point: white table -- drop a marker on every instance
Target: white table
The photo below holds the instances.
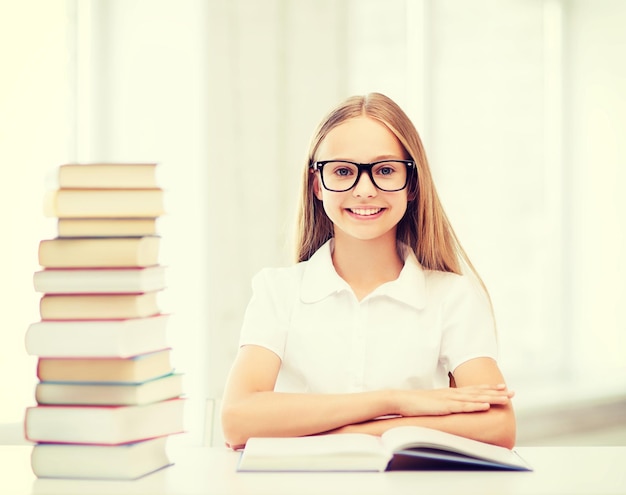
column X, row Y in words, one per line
column 207, row 471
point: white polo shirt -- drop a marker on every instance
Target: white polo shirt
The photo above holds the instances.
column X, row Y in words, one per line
column 407, row 334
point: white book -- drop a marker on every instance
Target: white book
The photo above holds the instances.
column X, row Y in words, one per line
column 400, row 448
column 107, row 462
column 99, row 280
column 110, row 394
column 103, row 425
column 97, row 338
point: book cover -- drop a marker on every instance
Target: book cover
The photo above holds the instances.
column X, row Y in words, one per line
column 108, row 462
column 115, row 394
column 107, row 227
column 98, row 306
column 104, row 203
column 105, row 176
column 99, row 280
column 104, row 425
column 133, row 369
column 97, row 338
column 107, row 252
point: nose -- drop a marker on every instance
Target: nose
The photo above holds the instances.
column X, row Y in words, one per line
column 364, row 187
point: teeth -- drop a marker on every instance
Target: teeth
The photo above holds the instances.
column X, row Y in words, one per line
column 365, row 211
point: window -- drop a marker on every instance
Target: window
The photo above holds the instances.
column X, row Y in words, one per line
column 518, row 103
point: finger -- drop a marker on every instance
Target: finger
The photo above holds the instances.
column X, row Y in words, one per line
column 486, row 386
column 483, row 397
column 488, row 390
column 468, row 407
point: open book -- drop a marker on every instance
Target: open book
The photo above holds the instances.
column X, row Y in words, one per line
column 401, row 448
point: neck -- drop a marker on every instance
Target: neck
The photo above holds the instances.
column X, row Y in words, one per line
column 366, row 264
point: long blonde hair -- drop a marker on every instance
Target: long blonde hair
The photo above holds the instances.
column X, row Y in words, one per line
column 424, row 227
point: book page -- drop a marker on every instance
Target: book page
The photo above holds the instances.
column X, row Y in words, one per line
column 407, row 437
column 348, row 443
column 342, row 452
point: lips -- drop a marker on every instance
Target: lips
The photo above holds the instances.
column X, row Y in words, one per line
column 365, row 212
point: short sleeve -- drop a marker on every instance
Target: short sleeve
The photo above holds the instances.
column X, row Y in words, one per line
column 468, row 329
column 266, row 318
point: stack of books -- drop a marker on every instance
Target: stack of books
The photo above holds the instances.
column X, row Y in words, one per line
column 107, row 397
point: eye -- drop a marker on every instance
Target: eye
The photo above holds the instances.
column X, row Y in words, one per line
column 386, row 169
column 341, row 170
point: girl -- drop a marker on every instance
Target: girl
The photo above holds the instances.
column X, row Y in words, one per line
column 378, row 324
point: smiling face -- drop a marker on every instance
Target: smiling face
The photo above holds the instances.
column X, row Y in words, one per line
column 364, row 212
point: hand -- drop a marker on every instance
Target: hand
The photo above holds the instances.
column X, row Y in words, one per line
column 443, row 401
column 234, row 447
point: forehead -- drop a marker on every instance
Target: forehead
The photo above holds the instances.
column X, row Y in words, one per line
column 361, row 139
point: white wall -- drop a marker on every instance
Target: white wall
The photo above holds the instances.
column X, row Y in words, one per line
column 143, row 76
column 519, row 104
column 486, row 147
column 34, row 137
column 267, row 84
column 596, row 154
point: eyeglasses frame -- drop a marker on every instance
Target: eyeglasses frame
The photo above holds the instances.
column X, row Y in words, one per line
column 362, row 167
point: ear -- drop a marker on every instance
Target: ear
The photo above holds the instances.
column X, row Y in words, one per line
column 317, row 188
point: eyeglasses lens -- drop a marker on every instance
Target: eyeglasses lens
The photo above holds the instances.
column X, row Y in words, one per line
column 388, row 176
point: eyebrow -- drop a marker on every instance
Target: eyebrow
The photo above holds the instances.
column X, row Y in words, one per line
column 375, row 159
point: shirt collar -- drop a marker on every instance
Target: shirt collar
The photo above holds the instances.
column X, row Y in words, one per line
column 320, row 279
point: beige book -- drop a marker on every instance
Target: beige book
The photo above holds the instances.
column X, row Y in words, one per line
column 106, row 176
column 134, row 369
column 104, row 203
column 99, row 252
column 106, row 227
column 98, row 306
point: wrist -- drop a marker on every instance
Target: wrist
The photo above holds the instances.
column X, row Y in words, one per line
column 392, row 400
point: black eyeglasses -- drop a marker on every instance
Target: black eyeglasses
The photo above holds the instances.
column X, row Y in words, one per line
column 343, row 175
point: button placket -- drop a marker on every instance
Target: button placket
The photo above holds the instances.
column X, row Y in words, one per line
column 359, row 340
